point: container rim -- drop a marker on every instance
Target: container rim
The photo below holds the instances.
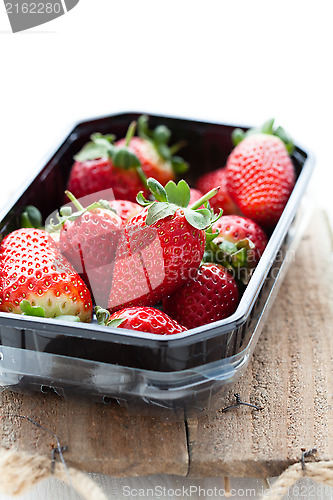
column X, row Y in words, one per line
column 140, row 338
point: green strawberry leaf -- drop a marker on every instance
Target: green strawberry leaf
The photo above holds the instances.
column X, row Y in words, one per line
column 143, row 129
column 31, row 217
column 158, row 211
column 29, row 310
column 245, row 243
column 160, row 138
column 200, row 219
column 102, row 315
column 161, row 134
column 157, row 189
column 124, row 158
column 101, row 146
column 179, row 194
column 100, row 204
column 67, row 317
column 114, row 323
column 282, row 134
column 267, row 128
column 239, row 259
column 179, row 165
column 163, row 150
column 233, row 256
column 65, row 213
column 107, row 137
column 237, row 136
column 210, row 236
column 175, row 196
column 103, row 318
column 39, row 312
column 92, row 151
column 141, row 200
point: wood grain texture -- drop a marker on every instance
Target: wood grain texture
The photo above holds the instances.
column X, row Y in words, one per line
column 290, row 375
column 101, row 439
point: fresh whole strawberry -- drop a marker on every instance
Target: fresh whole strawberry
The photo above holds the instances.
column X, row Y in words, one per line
column 238, row 246
column 222, row 201
column 89, row 240
column 142, row 319
column 33, row 272
column 260, row 174
column 156, row 157
column 125, row 209
column 164, row 246
column 209, row 296
column 101, row 165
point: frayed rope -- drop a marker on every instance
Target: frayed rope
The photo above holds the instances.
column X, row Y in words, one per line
column 321, row 472
column 20, row 472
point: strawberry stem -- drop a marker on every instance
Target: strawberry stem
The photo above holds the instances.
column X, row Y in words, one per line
column 130, row 133
column 205, row 198
column 142, row 176
column 75, row 202
column 176, row 147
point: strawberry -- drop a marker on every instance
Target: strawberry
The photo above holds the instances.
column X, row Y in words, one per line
column 164, row 245
column 33, row 270
column 125, row 209
column 142, row 319
column 89, row 239
column 156, row 157
column 238, row 246
column 260, row 173
column 101, row 165
column 209, row 296
column 222, row 201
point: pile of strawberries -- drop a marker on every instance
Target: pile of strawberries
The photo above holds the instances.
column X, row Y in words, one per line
column 161, row 257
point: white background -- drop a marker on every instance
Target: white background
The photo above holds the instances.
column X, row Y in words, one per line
column 237, row 62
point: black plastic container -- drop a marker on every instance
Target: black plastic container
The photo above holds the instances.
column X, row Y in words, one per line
column 101, row 362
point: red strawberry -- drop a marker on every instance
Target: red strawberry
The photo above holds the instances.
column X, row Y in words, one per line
column 89, row 239
column 142, row 319
column 156, row 157
column 261, row 176
column 101, row 165
column 209, row 296
column 33, row 270
column 222, row 201
column 238, row 246
column 125, row 209
column 165, row 244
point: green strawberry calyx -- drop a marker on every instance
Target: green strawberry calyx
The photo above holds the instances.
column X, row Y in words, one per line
column 159, row 138
column 267, row 128
column 65, row 213
column 101, row 146
column 103, row 318
column 39, row 312
column 233, row 256
column 174, row 196
column 31, row 217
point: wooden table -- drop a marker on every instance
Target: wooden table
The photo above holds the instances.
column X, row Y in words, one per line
column 290, row 375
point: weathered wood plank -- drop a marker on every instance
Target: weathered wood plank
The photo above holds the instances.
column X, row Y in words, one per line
column 106, row 440
column 291, row 375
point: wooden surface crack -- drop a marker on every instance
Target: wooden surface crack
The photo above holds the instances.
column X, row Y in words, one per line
column 290, row 375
